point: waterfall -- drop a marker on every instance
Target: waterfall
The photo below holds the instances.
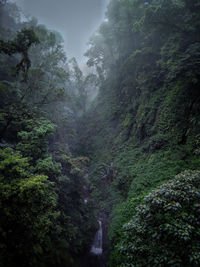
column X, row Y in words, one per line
column 97, row 244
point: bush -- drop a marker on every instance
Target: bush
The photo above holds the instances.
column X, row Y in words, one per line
column 28, row 213
column 166, row 230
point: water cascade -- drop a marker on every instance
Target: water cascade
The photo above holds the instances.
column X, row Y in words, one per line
column 96, row 248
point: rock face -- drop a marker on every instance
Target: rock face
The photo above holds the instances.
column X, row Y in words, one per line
column 96, row 248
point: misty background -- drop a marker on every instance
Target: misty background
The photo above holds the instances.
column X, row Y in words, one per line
column 76, row 20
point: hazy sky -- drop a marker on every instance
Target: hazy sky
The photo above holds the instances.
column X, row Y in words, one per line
column 76, row 20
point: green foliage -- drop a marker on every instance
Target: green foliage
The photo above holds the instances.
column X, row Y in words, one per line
column 165, row 230
column 21, row 44
column 145, row 118
column 75, row 165
column 29, row 218
column 141, row 130
column 33, row 143
column 12, row 165
column 45, row 221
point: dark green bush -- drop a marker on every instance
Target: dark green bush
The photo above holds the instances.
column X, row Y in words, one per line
column 166, row 230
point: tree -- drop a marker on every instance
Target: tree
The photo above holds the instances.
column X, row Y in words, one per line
column 44, row 219
column 3, row 2
column 21, row 44
column 166, row 230
column 28, row 212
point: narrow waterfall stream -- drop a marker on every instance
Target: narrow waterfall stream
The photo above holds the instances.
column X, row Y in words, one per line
column 96, row 248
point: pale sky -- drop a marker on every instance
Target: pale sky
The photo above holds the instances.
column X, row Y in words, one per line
column 76, row 20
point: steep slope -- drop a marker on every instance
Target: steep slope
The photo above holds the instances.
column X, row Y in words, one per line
column 143, row 127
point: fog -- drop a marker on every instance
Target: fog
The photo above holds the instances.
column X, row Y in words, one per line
column 76, row 20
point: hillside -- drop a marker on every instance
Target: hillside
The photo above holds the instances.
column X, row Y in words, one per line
column 118, row 148
column 143, row 128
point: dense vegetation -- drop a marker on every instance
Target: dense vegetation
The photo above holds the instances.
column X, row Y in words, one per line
column 44, row 221
column 144, row 125
column 140, row 131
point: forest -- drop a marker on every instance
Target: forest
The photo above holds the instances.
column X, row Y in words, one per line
column 119, row 144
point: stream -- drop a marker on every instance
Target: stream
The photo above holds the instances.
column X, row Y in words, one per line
column 96, row 248
column 95, row 258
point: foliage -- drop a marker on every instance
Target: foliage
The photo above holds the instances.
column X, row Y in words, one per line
column 145, row 118
column 21, row 44
column 33, row 142
column 165, row 230
column 45, row 221
column 30, row 216
column 140, row 130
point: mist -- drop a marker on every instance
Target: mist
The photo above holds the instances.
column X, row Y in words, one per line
column 99, row 154
column 76, row 20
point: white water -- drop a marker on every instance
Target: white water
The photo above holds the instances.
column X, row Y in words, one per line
column 97, row 244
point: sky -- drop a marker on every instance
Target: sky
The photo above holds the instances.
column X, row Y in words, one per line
column 76, row 20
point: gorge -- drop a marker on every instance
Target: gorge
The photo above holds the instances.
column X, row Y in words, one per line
column 99, row 166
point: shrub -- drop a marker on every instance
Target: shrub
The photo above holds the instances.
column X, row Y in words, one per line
column 166, row 230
